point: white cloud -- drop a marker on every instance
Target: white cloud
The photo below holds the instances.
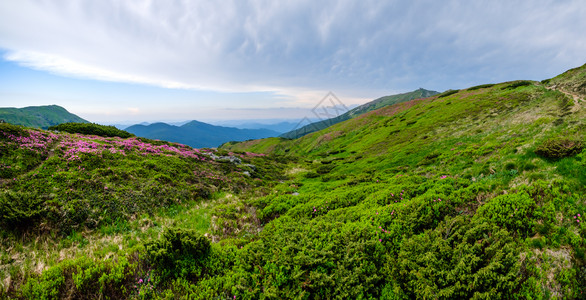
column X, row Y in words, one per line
column 296, row 48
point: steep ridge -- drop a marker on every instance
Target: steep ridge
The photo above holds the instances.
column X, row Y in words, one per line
column 370, row 106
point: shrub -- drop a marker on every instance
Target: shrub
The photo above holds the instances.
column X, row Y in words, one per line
column 458, row 260
column 179, row 253
column 20, row 210
column 510, row 166
column 514, row 212
column 517, row 84
column 324, row 169
column 559, row 148
column 92, row 129
column 82, row 278
column 8, row 129
column 447, row 93
column 310, row 175
column 482, row 86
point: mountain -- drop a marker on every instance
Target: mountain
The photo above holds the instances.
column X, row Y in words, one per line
column 370, row 106
column 470, row 194
column 198, row 134
column 280, row 127
column 38, row 116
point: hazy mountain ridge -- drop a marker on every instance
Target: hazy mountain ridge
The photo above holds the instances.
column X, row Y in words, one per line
column 280, row 127
column 198, row 134
column 38, row 116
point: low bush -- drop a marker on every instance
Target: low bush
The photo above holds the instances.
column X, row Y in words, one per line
column 325, row 169
column 559, row 148
column 7, row 129
column 19, row 210
column 514, row 212
column 180, row 253
column 517, row 84
column 91, row 129
column 482, row 86
column 447, row 93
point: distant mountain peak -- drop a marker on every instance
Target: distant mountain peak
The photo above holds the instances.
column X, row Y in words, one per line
column 39, row 116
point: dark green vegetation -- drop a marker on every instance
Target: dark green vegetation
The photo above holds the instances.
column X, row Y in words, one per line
column 439, row 198
column 362, row 109
column 91, row 129
column 198, row 134
column 559, row 148
column 38, row 116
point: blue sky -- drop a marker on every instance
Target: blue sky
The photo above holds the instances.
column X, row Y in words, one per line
column 129, row 61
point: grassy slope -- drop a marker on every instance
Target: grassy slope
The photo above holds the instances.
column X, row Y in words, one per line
column 66, row 196
column 38, row 116
column 370, row 106
column 473, row 148
column 434, row 198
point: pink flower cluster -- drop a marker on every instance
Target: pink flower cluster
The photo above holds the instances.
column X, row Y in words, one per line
column 73, row 145
column 316, row 210
column 398, row 196
column 36, row 141
column 577, row 218
column 382, row 230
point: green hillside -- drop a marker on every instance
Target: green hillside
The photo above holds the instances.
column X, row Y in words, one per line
column 370, row 106
column 38, row 116
column 477, row 193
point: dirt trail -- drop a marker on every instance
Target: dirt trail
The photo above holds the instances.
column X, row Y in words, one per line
column 577, row 98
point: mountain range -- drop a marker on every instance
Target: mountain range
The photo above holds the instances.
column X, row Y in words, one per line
column 198, row 134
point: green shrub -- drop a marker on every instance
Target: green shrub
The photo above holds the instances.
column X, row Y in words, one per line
column 559, row 148
column 91, row 129
column 482, row 86
column 311, row 175
column 20, row 209
column 515, row 212
column 82, row 278
column 458, row 260
column 447, row 93
column 179, row 253
column 510, row 166
column 325, row 169
column 517, row 84
column 8, row 129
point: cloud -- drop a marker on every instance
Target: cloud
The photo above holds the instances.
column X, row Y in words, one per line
column 296, row 47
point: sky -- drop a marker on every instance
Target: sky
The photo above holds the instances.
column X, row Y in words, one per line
column 112, row 61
